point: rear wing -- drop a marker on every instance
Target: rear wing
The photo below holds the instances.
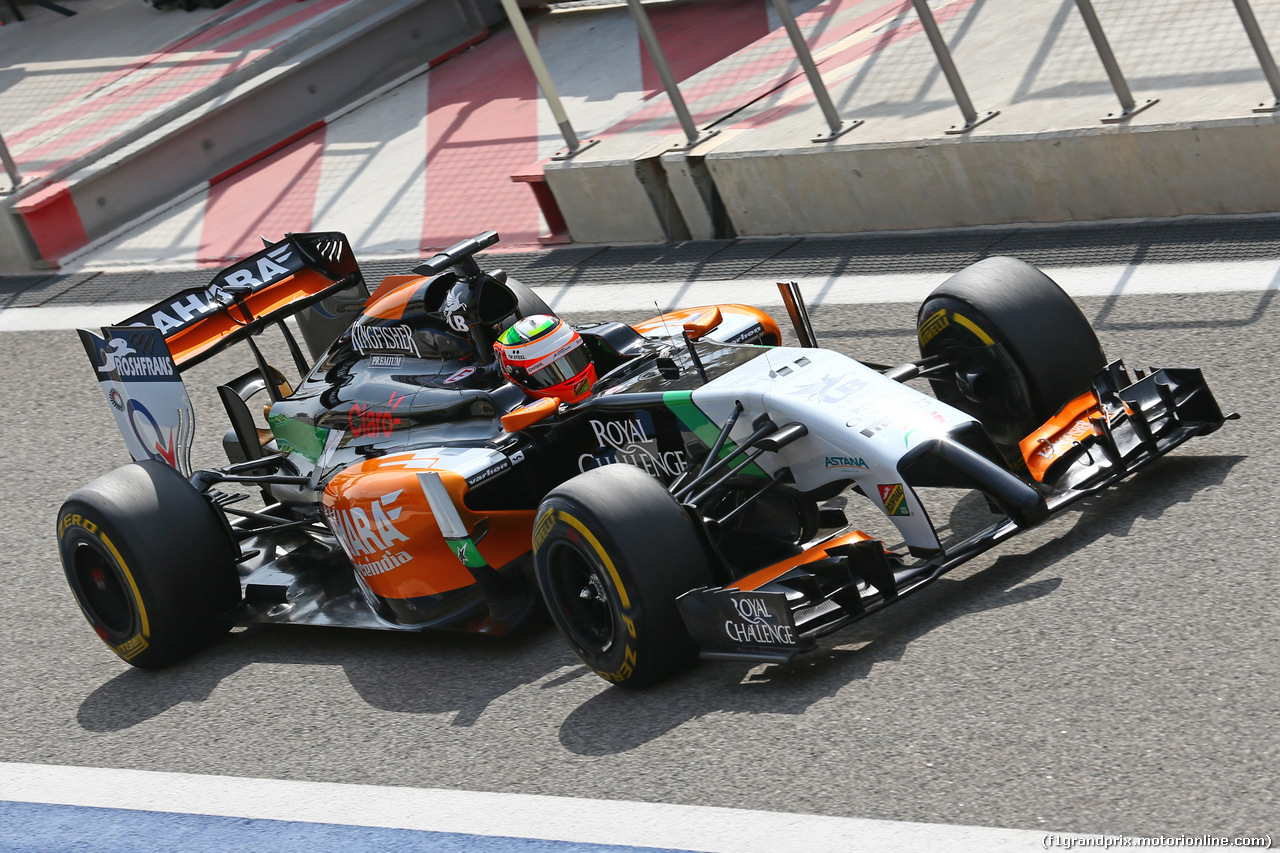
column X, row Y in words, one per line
column 138, row 363
column 299, row 272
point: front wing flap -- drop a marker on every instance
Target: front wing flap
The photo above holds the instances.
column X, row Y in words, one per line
column 741, row 625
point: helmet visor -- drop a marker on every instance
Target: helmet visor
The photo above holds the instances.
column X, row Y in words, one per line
column 553, row 373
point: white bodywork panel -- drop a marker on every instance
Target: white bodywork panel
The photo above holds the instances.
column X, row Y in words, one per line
column 860, row 425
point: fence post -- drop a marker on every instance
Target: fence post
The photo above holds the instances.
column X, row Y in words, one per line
column 940, row 49
column 543, row 76
column 1128, row 108
column 659, row 59
column 1265, row 59
column 10, row 167
column 837, row 127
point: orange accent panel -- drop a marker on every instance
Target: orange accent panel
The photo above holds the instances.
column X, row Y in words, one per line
column 522, row 417
column 1072, row 424
column 396, row 545
column 671, row 321
column 759, row 578
column 196, row 339
column 389, row 284
column 391, row 305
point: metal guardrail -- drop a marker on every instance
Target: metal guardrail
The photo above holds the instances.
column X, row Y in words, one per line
column 836, row 126
column 940, row 49
column 543, row 76
column 1128, row 107
column 659, row 59
column 650, row 39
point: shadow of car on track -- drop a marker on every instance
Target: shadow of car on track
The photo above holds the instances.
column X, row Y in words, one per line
column 417, row 673
column 616, row 721
column 426, row 673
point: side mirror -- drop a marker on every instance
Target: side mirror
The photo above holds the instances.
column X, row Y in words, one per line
column 703, row 324
column 529, row 415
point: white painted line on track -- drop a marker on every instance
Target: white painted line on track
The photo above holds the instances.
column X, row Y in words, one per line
column 577, row 298
column 587, row 821
column 67, row 316
column 1117, row 280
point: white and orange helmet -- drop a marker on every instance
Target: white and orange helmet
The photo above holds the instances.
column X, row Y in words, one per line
column 546, row 357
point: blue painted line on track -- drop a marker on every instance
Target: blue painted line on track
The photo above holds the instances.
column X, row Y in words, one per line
column 42, row 828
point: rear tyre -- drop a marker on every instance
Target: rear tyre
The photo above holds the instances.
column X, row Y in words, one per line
column 150, row 562
column 1020, row 346
column 612, row 551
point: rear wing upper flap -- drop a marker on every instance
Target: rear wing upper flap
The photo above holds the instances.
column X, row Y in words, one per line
column 300, row 271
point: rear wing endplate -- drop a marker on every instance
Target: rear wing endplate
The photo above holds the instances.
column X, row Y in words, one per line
column 140, row 380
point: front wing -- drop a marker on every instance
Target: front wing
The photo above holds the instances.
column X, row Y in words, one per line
column 781, row 611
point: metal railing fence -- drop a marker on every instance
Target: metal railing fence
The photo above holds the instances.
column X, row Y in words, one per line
column 836, row 126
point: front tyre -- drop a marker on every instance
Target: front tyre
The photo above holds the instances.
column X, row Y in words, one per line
column 1020, row 347
column 612, row 551
column 150, row 562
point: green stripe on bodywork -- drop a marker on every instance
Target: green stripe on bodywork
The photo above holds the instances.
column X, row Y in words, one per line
column 695, row 420
column 296, row 437
column 467, row 552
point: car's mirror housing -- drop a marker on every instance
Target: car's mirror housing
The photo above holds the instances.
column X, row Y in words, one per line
column 525, row 416
column 702, row 325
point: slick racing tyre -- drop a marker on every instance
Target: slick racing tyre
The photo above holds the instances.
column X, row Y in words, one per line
column 150, row 562
column 1019, row 345
column 612, row 551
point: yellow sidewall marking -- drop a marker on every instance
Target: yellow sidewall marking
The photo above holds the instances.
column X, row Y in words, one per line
column 973, row 327
column 137, row 596
column 932, row 326
column 608, row 564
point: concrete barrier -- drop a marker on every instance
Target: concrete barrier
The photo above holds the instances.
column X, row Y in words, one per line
column 1226, row 166
column 616, row 199
column 1096, row 174
column 234, row 123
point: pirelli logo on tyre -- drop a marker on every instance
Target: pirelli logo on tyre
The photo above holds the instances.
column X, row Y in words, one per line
column 894, row 499
column 623, row 672
column 542, row 527
column 131, row 647
column 933, row 324
column 75, row 520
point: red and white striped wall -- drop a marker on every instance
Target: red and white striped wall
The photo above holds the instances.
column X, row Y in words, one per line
column 430, row 161
column 68, row 134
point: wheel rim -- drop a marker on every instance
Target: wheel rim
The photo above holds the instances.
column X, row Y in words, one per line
column 102, row 590
column 580, row 594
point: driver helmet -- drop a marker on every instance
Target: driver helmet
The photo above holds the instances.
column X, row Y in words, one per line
column 545, row 356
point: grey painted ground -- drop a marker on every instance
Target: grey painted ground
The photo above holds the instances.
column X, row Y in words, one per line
column 1114, row 670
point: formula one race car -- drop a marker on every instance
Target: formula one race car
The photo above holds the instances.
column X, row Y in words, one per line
column 455, row 455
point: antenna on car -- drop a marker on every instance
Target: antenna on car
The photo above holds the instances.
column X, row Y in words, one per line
column 666, row 365
column 663, row 317
column 791, row 298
